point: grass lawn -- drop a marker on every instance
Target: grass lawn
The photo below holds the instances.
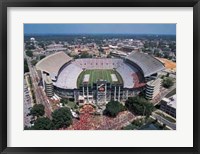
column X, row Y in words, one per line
column 99, row 74
column 71, row 104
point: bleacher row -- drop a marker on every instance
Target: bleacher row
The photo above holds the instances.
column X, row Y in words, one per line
column 126, row 73
column 137, row 80
column 147, row 63
column 68, row 77
column 125, row 70
column 98, row 63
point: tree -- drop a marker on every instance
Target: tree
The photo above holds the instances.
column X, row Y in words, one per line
column 62, row 117
column 167, row 82
column 139, row 106
column 101, row 49
column 29, row 53
column 30, row 47
column 63, row 101
column 33, row 62
column 42, row 56
column 162, row 77
column 149, row 108
column 26, row 69
column 42, row 45
column 109, row 56
column 113, row 108
column 85, row 55
column 75, row 56
column 43, row 124
column 37, row 110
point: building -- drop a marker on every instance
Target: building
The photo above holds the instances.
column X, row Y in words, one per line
column 97, row 79
column 32, row 39
column 127, row 48
column 117, row 53
column 48, row 84
column 153, row 88
column 53, row 48
column 168, row 105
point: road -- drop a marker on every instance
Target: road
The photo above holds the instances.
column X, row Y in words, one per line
column 27, row 105
column 164, row 121
column 39, row 93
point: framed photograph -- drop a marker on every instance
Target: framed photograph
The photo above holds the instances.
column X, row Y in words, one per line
column 100, row 76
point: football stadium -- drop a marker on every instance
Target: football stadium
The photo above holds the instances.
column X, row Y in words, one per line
column 97, row 80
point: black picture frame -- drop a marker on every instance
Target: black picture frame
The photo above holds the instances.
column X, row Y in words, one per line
column 4, row 4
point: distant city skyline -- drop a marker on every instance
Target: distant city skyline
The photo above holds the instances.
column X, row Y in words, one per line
column 165, row 29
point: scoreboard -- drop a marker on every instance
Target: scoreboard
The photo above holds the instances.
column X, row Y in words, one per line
column 101, row 91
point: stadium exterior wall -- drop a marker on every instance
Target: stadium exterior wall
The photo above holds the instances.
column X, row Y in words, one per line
column 113, row 90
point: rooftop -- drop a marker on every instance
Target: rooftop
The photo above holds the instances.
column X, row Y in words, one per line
column 171, row 101
column 55, row 45
column 154, row 82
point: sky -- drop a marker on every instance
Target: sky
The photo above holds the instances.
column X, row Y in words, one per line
column 167, row 29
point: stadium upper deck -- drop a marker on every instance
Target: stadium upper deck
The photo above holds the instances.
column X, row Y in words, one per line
column 52, row 64
column 148, row 64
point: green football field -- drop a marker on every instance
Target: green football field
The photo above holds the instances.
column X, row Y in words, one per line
column 98, row 75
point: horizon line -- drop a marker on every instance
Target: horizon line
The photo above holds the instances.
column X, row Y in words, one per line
column 96, row 34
